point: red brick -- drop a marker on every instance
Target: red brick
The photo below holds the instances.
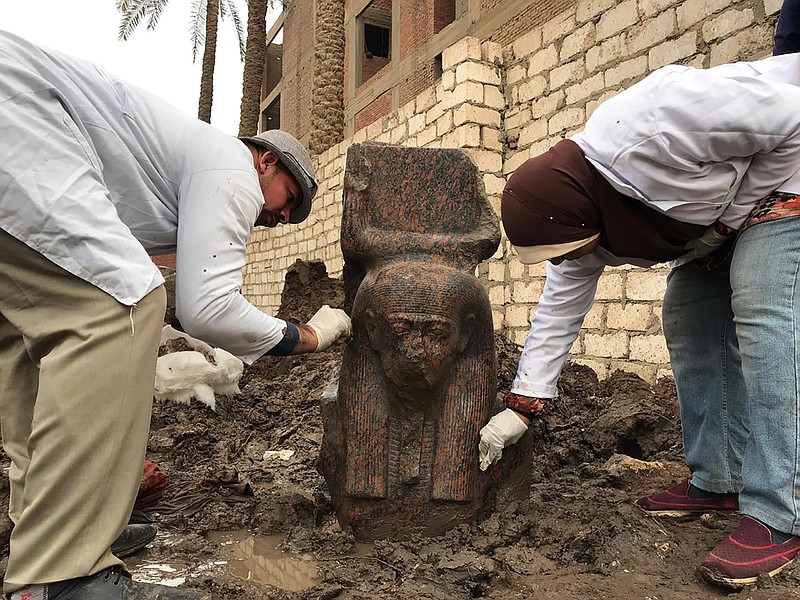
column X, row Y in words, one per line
column 380, row 107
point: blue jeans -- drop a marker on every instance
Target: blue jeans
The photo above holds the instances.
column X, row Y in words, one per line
column 733, row 340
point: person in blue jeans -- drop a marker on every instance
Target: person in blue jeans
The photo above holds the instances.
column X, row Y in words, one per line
column 677, row 168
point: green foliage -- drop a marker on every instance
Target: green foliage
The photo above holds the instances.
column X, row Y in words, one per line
column 134, row 12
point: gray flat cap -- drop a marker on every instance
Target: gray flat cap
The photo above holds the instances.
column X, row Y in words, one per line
column 294, row 157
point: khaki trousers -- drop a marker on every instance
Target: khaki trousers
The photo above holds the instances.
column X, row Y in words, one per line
column 76, row 391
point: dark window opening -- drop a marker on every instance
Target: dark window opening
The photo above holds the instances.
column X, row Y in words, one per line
column 271, row 117
column 374, row 27
column 437, row 67
column 376, row 41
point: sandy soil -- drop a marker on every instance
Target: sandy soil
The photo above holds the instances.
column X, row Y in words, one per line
column 576, row 536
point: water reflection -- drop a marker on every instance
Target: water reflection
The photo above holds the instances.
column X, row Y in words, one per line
column 258, row 559
column 240, row 554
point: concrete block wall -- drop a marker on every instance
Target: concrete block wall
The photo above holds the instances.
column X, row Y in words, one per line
column 506, row 104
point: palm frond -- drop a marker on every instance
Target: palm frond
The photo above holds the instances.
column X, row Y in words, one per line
column 136, row 10
column 155, row 11
column 197, row 26
column 237, row 21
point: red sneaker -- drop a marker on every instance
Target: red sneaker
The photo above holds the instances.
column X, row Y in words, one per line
column 676, row 502
column 747, row 553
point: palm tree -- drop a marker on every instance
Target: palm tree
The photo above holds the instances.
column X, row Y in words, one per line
column 204, row 15
column 254, row 59
column 327, row 126
column 327, row 112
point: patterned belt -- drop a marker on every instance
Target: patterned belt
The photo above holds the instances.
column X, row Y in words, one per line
column 778, row 205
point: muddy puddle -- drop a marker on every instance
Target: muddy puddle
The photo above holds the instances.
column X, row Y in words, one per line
column 241, row 555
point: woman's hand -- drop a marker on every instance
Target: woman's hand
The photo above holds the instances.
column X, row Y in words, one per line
column 502, row 430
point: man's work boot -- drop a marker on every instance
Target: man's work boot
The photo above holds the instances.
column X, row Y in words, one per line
column 133, row 538
column 114, row 583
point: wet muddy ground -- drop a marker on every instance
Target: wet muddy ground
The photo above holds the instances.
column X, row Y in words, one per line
column 247, row 526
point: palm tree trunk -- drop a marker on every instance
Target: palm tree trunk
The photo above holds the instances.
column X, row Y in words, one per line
column 255, row 59
column 327, row 113
column 209, row 58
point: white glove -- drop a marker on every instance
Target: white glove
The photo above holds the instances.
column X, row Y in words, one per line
column 329, row 324
column 503, row 429
column 711, row 239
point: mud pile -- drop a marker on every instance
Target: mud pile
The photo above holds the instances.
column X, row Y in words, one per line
column 598, row 447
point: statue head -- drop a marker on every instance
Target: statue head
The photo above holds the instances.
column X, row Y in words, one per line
column 419, row 318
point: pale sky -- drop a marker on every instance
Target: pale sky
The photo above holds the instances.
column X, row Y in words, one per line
column 159, row 61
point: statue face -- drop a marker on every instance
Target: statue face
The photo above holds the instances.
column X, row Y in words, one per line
column 416, row 350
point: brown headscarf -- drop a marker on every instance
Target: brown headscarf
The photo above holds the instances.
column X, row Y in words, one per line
column 560, row 197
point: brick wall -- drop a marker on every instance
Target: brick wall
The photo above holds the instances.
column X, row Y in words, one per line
column 380, row 107
column 539, row 11
column 444, row 13
column 423, row 78
column 504, row 104
column 371, row 66
column 416, row 24
column 488, row 5
column 298, row 70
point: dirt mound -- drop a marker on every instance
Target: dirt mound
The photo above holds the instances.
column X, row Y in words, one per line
column 598, row 446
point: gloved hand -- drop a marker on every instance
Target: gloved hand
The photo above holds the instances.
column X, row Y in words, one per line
column 713, row 237
column 503, row 429
column 329, row 324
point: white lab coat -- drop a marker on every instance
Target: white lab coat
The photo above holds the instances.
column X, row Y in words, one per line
column 698, row 145
column 98, row 175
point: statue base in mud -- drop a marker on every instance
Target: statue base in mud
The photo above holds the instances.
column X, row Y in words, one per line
column 409, row 509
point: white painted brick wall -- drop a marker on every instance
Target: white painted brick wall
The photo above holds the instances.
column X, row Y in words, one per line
column 609, row 51
column 634, row 68
column 557, row 27
column 727, row 23
column 651, row 8
column 585, row 89
column 608, row 345
column 693, row 11
column 617, row 19
column 652, row 31
column 632, row 317
column 647, row 285
column 672, row 51
column 742, row 45
column 568, row 73
column 577, row 41
column 587, row 10
column 649, row 348
column 543, row 60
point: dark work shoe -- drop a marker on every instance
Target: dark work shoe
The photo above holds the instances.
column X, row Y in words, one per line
column 114, row 583
column 133, row 538
column 678, row 502
column 752, row 550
